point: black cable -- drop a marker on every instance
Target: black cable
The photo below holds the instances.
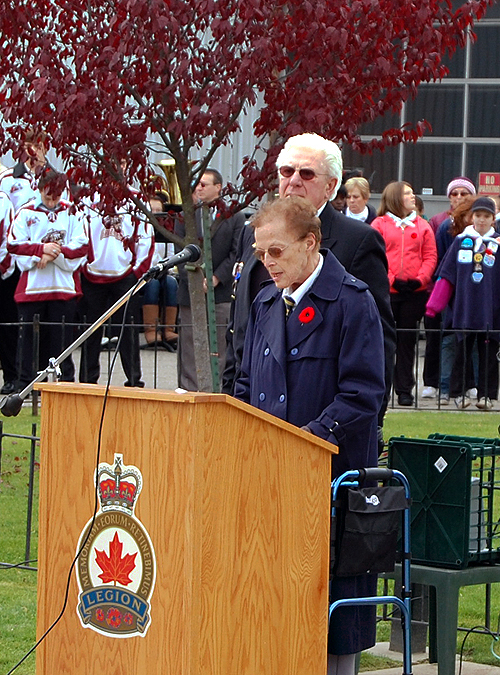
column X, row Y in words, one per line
column 96, row 500
column 10, row 566
column 471, row 630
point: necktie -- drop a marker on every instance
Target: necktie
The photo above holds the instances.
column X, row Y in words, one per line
column 289, row 305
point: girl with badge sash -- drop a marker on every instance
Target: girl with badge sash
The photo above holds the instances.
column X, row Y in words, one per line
column 469, row 279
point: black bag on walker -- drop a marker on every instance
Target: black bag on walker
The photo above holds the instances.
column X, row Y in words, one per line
column 365, row 530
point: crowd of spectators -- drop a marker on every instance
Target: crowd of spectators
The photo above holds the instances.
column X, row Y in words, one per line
column 461, row 356
column 65, row 262
column 318, row 301
column 74, row 264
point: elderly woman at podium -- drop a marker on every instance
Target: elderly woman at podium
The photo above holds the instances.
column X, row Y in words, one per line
column 314, row 357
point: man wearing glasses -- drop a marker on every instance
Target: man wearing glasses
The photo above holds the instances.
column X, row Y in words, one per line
column 457, row 189
column 310, row 166
column 225, row 233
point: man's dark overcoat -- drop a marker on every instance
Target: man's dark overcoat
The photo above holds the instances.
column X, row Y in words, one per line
column 225, row 233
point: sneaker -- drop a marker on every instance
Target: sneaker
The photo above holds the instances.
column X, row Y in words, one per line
column 444, row 399
column 462, row 402
column 108, row 344
column 429, row 392
column 471, row 393
column 484, row 404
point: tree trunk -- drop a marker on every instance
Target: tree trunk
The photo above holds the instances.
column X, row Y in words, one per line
column 197, row 295
column 200, row 333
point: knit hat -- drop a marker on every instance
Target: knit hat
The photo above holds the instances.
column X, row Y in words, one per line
column 484, row 204
column 461, row 182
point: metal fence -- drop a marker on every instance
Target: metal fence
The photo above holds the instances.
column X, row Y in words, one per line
column 434, row 367
column 27, row 563
column 159, row 366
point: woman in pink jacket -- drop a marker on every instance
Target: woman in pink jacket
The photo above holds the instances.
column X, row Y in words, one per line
column 412, row 257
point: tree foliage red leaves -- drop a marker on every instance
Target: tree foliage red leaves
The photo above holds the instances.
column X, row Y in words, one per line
column 108, row 79
column 120, row 77
column 115, row 567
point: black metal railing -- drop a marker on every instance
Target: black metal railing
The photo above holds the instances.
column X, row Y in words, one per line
column 25, row 551
column 158, row 377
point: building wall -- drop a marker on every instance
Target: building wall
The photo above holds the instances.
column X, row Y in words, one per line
column 464, row 111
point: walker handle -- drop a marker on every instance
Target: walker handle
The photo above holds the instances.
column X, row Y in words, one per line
column 375, row 473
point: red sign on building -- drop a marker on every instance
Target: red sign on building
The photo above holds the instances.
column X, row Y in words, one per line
column 489, row 183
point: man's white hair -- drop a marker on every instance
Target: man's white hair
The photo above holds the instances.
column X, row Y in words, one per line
column 330, row 151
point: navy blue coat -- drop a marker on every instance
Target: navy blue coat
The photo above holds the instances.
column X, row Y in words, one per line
column 358, row 247
column 328, row 374
column 476, row 300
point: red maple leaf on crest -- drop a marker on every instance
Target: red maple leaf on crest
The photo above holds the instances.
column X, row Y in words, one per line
column 115, row 568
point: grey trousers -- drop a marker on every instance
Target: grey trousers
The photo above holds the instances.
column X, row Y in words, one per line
column 186, row 366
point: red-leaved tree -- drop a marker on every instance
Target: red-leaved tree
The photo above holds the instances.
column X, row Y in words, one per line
column 120, row 78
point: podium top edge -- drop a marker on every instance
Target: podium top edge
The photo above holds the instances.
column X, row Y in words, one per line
column 129, row 392
column 191, row 397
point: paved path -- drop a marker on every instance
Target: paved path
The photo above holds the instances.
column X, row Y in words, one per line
column 420, row 665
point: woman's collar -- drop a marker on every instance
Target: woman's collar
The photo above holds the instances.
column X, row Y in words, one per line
column 403, row 222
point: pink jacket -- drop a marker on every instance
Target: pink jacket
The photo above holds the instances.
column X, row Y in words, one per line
column 410, row 248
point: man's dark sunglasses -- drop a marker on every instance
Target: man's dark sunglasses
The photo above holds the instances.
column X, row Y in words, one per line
column 305, row 174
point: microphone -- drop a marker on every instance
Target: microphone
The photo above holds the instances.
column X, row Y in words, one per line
column 190, row 253
column 11, row 405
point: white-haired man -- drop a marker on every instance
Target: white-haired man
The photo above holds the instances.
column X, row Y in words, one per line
column 310, row 166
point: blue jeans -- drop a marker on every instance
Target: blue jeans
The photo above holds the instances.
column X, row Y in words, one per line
column 447, row 359
column 161, row 292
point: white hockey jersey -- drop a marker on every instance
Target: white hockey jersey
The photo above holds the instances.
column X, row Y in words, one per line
column 119, row 244
column 19, row 184
column 7, row 265
column 35, row 225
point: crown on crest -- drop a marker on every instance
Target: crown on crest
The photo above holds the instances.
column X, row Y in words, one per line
column 118, row 486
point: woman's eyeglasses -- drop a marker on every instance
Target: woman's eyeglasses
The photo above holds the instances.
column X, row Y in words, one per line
column 272, row 251
column 459, row 194
column 305, row 174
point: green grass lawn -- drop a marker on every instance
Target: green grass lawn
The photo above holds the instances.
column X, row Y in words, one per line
column 18, row 587
column 419, row 424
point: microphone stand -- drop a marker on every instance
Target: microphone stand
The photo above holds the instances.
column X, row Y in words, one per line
column 11, row 404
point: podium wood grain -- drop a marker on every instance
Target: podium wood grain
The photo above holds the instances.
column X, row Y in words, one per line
column 236, row 504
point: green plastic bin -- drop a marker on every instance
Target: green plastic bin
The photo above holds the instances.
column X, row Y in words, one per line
column 455, row 488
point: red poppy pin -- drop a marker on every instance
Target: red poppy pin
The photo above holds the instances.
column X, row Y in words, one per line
column 307, row 314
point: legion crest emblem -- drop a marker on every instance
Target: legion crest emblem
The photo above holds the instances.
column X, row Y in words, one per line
column 116, row 568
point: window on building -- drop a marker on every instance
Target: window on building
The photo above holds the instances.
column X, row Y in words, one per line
column 430, row 165
column 442, row 106
column 484, row 62
column 379, row 167
column 484, row 110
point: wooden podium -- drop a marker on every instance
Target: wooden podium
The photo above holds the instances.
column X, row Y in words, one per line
column 236, row 504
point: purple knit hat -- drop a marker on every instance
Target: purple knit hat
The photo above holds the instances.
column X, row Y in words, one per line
column 461, row 182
